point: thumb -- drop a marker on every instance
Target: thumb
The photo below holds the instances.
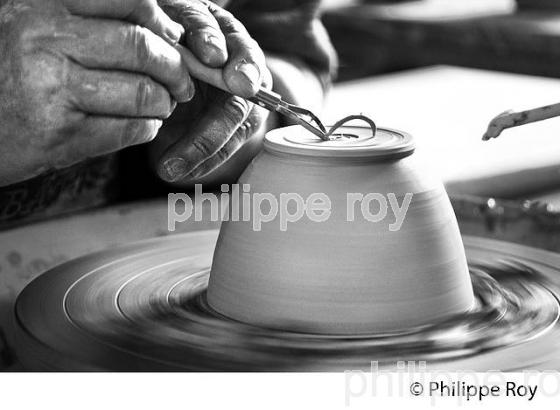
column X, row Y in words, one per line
column 217, row 125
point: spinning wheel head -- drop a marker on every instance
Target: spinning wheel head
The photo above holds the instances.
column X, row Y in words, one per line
column 388, row 257
column 143, row 307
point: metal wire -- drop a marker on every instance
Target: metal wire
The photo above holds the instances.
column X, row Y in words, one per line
column 273, row 102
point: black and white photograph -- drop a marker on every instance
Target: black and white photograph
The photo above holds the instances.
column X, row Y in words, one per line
column 279, row 203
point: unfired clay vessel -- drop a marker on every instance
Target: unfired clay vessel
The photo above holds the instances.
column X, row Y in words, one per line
column 340, row 276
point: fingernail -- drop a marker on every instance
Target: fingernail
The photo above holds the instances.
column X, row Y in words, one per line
column 175, row 168
column 172, row 106
column 250, row 71
column 174, row 32
column 191, row 91
column 188, row 92
column 215, row 42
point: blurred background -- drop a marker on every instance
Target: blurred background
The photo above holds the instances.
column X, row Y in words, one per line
column 441, row 70
column 374, row 36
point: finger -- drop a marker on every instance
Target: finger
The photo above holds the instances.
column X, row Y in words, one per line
column 111, row 45
column 246, row 68
column 206, row 138
column 145, row 13
column 100, row 135
column 252, row 126
column 118, row 93
column 111, row 134
column 203, row 35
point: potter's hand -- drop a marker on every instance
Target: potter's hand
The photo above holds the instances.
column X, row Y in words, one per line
column 215, row 124
column 81, row 78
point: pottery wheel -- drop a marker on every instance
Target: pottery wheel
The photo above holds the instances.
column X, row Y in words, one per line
column 143, row 307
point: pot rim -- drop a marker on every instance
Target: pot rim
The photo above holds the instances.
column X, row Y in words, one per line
column 387, row 143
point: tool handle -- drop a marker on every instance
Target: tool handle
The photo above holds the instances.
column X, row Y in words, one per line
column 510, row 119
column 200, row 71
column 536, row 114
column 213, row 76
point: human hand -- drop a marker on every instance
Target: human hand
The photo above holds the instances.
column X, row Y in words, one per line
column 205, row 133
column 302, row 62
column 81, row 78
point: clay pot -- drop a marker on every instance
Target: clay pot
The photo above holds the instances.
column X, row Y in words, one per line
column 343, row 275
